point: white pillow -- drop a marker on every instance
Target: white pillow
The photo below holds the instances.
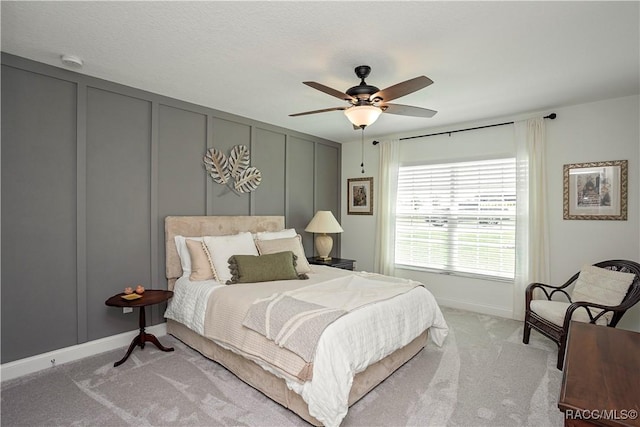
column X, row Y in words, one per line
column 293, row 244
column 183, row 252
column 221, row 248
column 272, row 235
column 602, row 286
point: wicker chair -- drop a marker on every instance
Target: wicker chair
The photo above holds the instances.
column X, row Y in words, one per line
column 557, row 331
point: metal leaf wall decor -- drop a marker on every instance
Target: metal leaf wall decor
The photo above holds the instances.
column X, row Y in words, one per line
column 238, row 160
column 216, row 164
column 236, row 166
column 248, row 180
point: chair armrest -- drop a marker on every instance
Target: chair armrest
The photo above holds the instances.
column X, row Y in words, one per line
column 545, row 289
column 593, row 319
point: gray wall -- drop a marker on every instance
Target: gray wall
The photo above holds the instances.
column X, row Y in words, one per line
column 90, row 169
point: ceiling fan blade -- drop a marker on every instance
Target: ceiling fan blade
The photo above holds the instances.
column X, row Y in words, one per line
column 407, row 110
column 330, row 91
column 318, row 111
column 402, row 89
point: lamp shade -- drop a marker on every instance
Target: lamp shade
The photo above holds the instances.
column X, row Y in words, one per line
column 324, row 222
column 362, row 115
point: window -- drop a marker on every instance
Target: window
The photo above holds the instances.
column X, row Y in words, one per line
column 458, row 217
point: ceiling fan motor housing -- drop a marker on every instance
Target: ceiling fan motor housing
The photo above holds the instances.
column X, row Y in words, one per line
column 363, row 91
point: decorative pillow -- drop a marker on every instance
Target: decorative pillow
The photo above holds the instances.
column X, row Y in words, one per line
column 221, row 248
column 602, row 286
column 271, row 235
column 293, row 244
column 263, row 268
column 183, row 252
column 200, row 266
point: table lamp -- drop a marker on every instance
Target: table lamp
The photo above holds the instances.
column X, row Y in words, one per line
column 324, row 222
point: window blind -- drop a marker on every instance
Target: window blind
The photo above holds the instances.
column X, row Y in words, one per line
column 458, row 217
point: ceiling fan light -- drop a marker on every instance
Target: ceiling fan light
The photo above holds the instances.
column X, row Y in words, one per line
column 362, row 115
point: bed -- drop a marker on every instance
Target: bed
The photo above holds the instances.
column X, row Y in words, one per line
column 304, row 387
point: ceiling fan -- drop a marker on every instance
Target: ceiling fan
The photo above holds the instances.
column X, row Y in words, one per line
column 368, row 102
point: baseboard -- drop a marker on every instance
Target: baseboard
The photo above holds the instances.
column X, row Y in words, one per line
column 53, row 358
column 476, row 308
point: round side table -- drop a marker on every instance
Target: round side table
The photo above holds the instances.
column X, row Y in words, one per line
column 149, row 297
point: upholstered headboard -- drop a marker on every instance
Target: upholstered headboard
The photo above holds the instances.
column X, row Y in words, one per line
column 196, row 226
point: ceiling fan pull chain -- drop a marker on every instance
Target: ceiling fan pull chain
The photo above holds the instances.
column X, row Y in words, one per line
column 362, row 148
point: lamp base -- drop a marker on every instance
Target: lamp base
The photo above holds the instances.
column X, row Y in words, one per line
column 324, row 244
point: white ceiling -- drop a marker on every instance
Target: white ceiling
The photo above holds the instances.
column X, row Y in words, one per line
column 487, row 59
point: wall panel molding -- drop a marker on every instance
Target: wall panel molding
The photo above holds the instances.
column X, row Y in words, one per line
column 81, row 211
column 155, row 238
column 40, row 290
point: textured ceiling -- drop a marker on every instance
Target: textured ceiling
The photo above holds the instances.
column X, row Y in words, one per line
column 487, row 59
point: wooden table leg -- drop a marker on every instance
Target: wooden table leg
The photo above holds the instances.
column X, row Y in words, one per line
column 134, row 343
column 142, row 323
column 153, row 339
column 141, row 338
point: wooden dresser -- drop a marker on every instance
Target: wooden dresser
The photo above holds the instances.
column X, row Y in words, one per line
column 601, row 383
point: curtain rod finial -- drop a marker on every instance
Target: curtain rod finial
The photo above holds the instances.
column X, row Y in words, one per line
column 376, row 142
column 551, row 116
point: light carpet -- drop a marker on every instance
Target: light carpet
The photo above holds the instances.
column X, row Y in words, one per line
column 482, row 376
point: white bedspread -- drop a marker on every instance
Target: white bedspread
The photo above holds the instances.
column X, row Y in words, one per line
column 189, row 302
column 347, row 346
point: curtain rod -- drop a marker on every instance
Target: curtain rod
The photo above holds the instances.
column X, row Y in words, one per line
column 551, row 116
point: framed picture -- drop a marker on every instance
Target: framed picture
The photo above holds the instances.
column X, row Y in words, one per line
column 596, row 190
column 360, row 196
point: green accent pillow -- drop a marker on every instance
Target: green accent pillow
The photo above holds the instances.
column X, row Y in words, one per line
column 263, row 268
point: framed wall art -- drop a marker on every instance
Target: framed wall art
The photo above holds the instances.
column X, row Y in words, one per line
column 360, row 196
column 595, row 190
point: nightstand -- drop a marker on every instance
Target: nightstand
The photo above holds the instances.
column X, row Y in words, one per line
column 149, row 297
column 345, row 264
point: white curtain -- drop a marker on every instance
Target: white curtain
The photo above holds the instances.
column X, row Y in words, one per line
column 532, row 230
column 384, row 252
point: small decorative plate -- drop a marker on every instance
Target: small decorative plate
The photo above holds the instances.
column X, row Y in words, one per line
column 131, row 297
